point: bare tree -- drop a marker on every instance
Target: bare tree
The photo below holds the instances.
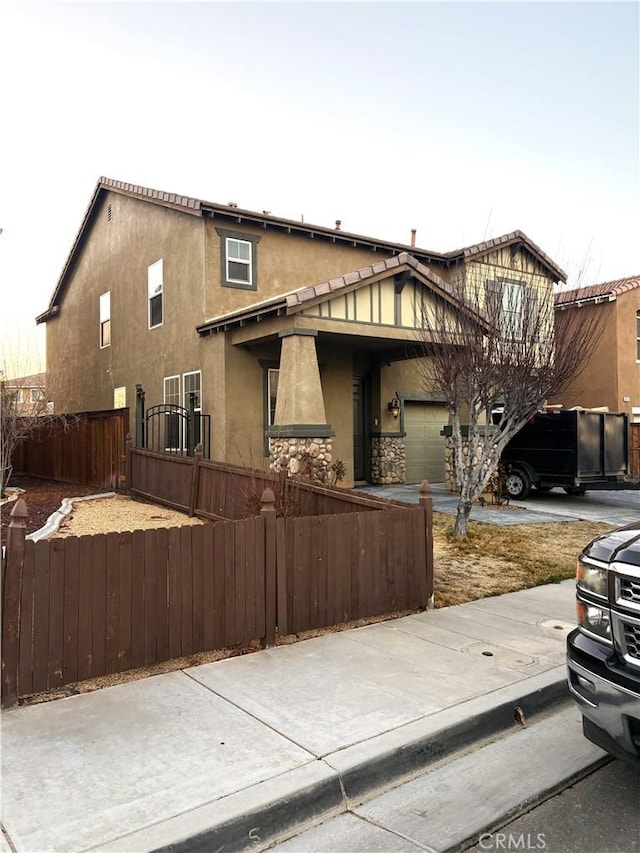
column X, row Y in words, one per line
column 490, row 345
column 23, row 409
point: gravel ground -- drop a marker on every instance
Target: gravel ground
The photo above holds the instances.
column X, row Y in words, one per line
column 118, row 514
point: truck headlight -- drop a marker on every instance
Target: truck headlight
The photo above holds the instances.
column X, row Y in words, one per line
column 594, row 619
column 592, row 578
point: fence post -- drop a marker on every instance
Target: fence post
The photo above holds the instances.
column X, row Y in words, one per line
column 426, row 502
column 195, row 477
column 126, row 476
column 139, row 416
column 11, row 598
column 268, row 512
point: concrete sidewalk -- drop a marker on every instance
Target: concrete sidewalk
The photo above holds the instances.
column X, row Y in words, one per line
column 243, row 751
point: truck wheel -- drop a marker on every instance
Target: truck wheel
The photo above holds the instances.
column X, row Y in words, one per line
column 518, row 484
column 570, row 490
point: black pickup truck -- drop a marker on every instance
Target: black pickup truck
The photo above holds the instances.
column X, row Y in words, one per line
column 603, row 653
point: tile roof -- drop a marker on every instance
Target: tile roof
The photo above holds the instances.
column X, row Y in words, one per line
column 34, row 380
column 199, row 207
column 610, row 289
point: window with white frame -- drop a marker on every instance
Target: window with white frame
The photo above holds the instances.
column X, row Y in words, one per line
column 191, row 383
column 105, row 319
column 238, row 257
column 505, row 307
column 637, row 335
column 272, row 394
column 172, row 420
column 155, row 292
column 239, row 267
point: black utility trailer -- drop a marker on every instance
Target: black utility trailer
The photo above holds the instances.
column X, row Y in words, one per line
column 571, row 448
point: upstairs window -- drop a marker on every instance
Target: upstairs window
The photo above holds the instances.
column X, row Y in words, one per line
column 238, row 255
column 239, row 261
column 637, row 335
column 105, row 319
column 512, row 308
column 155, row 288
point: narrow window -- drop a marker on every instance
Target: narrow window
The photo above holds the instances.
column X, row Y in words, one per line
column 105, row 319
column 172, row 419
column 637, row 335
column 272, row 390
column 155, row 285
column 191, row 383
column 239, row 267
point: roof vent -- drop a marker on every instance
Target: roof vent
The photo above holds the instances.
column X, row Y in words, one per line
column 413, row 238
column 232, row 203
column 109, row 213
column 338, row 224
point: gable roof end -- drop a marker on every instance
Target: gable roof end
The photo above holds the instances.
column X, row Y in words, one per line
column 479, row 249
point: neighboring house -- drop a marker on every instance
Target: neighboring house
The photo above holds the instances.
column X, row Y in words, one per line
column 611, row 377
column 291, row 336
column 29, row 393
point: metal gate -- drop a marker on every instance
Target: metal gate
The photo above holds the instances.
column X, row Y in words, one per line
column 169, row 428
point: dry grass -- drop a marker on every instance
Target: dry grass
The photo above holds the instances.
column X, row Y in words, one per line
column 494, row 560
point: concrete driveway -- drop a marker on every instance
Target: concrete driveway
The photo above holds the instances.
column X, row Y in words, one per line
column 611, row 507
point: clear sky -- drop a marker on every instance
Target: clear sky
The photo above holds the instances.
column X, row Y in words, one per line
column 462, row 120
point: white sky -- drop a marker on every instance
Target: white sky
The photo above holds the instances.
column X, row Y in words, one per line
column 462, row 120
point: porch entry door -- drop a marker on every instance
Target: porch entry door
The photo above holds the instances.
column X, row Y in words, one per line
column 361, row 412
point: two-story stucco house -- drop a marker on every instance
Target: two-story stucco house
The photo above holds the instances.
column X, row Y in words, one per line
column 294, row 338
column 611, row 376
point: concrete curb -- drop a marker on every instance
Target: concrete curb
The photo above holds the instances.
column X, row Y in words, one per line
column 56, row 518
column 264, row 814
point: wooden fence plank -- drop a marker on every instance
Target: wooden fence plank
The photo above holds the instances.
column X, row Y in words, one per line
column 137, row 599
column 150, row 611
column 162, row 590
column 71, row 611
column 197, row 538
column 125, row 596
column 186, row 590
column 240, row 579
column 175, row 594
column 112, row 616
column 56, row 612
column 25, row 650
column 85, row 606
column 99, row 607
column 219, row 579
column 229, row 583
column 208, row 572
column 281, row 577
column 41, row 617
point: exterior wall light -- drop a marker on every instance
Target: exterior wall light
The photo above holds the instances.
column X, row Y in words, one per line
column 394, row 406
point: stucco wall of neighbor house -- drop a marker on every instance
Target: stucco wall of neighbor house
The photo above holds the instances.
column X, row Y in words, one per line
column 628, row 365
column 115, row 258
column 597, row 384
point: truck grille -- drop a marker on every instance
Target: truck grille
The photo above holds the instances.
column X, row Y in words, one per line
column 629, row 590
column 632, row 639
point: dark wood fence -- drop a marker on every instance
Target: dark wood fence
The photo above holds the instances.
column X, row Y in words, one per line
column 634, row 450
column 83, row 448
column 79, row 607
column 217, row 490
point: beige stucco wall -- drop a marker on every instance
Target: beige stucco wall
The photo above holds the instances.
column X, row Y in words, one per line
column 612, row 373
column 116, row 259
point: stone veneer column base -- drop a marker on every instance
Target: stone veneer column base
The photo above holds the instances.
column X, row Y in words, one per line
column 388, row 460
column 308, row 457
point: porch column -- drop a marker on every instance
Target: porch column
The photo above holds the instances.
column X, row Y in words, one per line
column 300, row 439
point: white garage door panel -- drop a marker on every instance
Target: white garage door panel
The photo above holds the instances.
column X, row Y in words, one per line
column 424, row 445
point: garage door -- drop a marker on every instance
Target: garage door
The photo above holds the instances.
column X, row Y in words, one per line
column 424, row 445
